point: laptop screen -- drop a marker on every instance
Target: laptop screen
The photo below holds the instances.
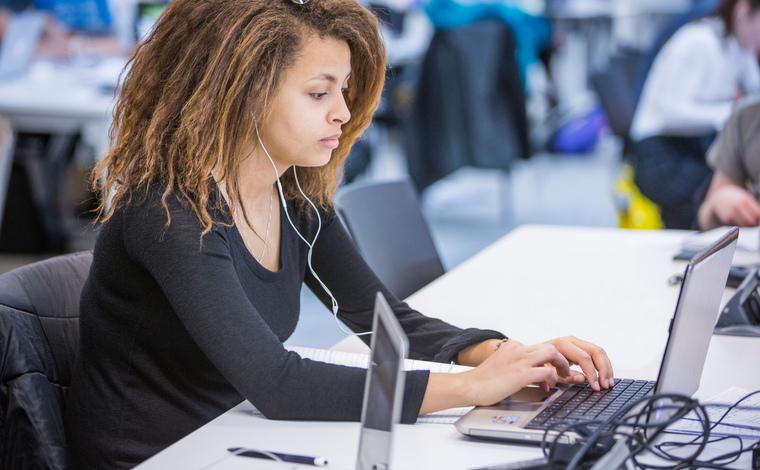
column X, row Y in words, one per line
column 19, row 42
column 690, row 333
column 384, row 388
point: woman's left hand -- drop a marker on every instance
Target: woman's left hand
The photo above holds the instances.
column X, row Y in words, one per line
column 592, row 359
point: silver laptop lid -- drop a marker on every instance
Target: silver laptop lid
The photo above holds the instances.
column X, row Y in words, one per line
column 695, row 316
column 384, row 389
column 19, row 42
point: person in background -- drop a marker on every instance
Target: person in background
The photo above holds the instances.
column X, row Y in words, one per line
column 732, row 197
column 71, row 28
column 688, row 95
column 234, row 121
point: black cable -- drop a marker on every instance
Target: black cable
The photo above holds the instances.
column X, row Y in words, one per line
column 735, row 406
column 634, row 424
column 733, row 456
column 656, row 428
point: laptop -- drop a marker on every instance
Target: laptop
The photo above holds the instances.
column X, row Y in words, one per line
column 384, row 389
column 526, row 416
column 19, row 43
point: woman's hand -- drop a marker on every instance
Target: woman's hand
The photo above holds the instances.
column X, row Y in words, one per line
column 513, row 366
column 591, row 358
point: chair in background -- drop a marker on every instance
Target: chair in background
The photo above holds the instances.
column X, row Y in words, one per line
column 387, row 225
column 39, row 337
column 615, row 88
column 6, row 161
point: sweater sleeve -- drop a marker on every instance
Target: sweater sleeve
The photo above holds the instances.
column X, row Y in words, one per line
column 203, row 289
column 726, row 153
column 345, row 272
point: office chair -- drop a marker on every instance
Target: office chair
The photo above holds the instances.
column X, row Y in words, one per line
column 6, row 161
column 39, row 337
column 387, row 225
column 616, row 89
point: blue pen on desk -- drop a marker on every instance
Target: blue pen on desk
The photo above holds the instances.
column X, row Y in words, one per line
column 302, row 459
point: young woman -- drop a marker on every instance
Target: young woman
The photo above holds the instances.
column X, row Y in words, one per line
column 232, row 113
column 688, row 95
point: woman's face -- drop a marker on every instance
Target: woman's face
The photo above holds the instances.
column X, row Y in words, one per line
column 309, row 109
column 747, row 27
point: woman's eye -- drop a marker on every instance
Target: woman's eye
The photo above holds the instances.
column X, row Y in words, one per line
column 317, row 95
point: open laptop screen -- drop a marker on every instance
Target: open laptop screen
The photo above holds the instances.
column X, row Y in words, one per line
column 695, row 316
column 18, row 43
column 384, row 388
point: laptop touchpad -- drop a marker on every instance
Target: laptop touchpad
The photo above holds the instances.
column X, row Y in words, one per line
column 527, row 399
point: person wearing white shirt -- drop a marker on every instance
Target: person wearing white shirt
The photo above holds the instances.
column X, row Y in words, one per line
column 688, row 95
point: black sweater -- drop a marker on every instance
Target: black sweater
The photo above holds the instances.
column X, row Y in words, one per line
column 175, row 332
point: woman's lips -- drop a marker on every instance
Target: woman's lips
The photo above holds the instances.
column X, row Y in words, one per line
column 331, row 142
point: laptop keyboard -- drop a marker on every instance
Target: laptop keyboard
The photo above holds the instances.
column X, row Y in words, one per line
column 581, row 403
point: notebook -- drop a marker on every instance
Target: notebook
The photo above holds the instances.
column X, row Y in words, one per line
column 524, row 417
column 19, row 42
column 384, row 389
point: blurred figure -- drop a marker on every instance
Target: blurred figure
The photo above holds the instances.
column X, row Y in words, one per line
column 65, row 40
column 732, row 198
column 688, row 95
column 73, row 27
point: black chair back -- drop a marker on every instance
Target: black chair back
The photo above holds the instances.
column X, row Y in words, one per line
column 39, row 337
column 387, row 225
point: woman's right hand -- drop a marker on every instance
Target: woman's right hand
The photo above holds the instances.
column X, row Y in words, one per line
column 512, row 367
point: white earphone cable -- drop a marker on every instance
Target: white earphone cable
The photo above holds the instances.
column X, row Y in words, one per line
column 310, row 245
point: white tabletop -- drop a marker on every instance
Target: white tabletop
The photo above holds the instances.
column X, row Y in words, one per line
column 605, row 285
column 63, row 97
column 608, row 286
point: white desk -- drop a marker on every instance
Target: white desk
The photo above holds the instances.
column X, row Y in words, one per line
column 63, row 100
column 60, row 98
column 608, row 286
column 605, row 285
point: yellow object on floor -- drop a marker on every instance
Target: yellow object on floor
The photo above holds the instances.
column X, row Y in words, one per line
column 634, row 210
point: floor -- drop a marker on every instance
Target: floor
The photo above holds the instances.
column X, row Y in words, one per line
column 471, row 209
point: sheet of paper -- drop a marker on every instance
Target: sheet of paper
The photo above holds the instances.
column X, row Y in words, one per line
column 362, row 360
column 744, row 421
column 749, row 239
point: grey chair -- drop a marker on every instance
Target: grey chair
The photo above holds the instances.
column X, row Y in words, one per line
column 615, row 89
column 39, row 337
column 387, row 225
